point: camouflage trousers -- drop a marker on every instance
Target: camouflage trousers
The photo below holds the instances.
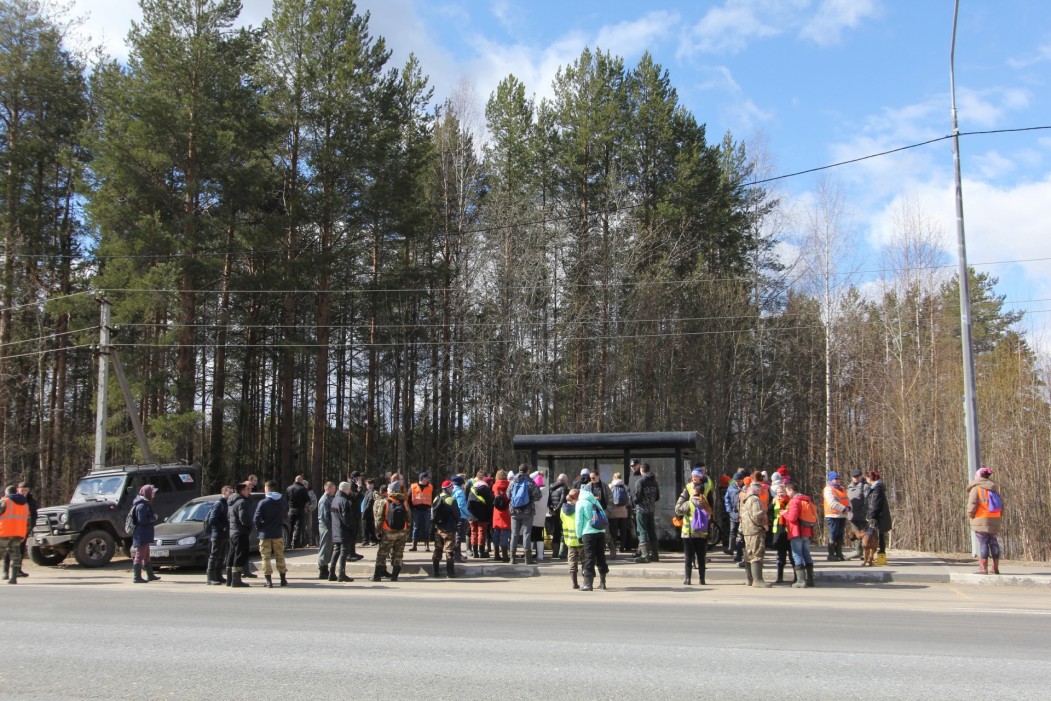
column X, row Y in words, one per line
column 11, row 552
column 272, row 547
column 444, row 543
column 392, row 545
column 754, row 547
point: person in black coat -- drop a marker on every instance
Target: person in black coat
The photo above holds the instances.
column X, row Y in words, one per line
column 556, row 496
column 217, row 525
column 878, row 515
column 298, row 496
column 240, row 520
column 343, row 520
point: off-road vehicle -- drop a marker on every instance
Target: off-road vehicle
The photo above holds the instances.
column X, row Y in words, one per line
column 91, row 526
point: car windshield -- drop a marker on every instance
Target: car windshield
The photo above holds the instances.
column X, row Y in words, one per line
column 93, row 488
column 194, row 511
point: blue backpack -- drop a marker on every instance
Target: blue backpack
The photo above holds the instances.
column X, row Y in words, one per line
column 620, row 495
column 520, row 494
column 599, row 519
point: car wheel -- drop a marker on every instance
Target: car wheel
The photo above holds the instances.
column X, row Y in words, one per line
column 95, row 548
column 46, row 558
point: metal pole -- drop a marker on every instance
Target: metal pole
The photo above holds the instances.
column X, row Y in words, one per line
column 970, row 402
column 101, row 408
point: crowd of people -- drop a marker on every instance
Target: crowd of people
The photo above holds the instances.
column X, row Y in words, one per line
column 504, row 517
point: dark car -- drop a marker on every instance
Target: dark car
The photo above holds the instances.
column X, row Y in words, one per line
column 181, row 539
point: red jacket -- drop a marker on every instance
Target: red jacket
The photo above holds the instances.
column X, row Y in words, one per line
column 792, row 519
column 501, row 517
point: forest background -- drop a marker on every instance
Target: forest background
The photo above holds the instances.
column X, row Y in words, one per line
column 316, row 269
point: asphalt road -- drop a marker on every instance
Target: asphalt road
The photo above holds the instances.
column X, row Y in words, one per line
column 93, row 635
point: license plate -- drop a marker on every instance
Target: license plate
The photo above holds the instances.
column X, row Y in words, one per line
column 159, row 553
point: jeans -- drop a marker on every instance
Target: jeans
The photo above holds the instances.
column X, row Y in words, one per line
column 421, row 524
column 801, row 551
column 837, row 528
column 324, row 551
column 522, row 531
column 988, row 546
column 501, row 538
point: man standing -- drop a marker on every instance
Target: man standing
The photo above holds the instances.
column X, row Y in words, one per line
column 217, row 523
column 858, row 494
column 800, row 529
column 298, row 496
column 445, row 513
column 732, row 503
column 634, row 472
column 393, row 518
column 555, row 498
column 421, row 495
column 524, row 495
column 14, row 527
column 754, row 524
column 462, row 528
column 342, row 515
column 837, row 510
column 324, row 527
column 368, row 501
column 646, row 493
column 268, row 523
column 240, row 527
column 24, row 491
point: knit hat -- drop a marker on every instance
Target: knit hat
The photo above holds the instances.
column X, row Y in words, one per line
column 984, row 472
column 833, row 476
column 573, row 495
column 740, row 475
column 447, row 484
column 783, row 471
column 424, row 475
column 457, row 479
column 394, row 487
column 147, row 490
column 537, row 478
column 697, row 471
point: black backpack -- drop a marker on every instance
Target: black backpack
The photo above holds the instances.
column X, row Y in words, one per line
column 397, row 517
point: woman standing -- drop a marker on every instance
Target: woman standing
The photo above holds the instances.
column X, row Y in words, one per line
column 592, row 533
column 985, row 512
column 694, row 531
column 878, row 513
column 501, row 517
column 144, row 519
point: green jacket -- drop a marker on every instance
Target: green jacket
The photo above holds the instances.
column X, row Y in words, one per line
column 586, row 506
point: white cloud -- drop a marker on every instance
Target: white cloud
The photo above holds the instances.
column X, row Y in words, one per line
column 501, row 10
column 826, row 26
column 1043, row 53
column 992, row 165
column 631, row 39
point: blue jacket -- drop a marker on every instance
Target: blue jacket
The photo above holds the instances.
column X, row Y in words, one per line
column 732, row 501
column 269, row 517
column 217, row 522
column 461, row 499
column 145, row 517
column 324, row 514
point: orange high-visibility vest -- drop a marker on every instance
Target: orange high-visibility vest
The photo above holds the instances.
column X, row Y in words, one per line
column 983, row 510
column 14, row 522
column 422, row 496
column 840, row 495
column 764, row 495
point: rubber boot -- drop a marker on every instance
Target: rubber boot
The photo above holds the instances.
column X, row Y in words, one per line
column 881, row 558
column 235, row 579
column 701, row 570
column 644, row 554
column 322, row 572
column 540, row 551
column 485, row 552
column 780, row 573
column 809, row 569
column 748, row 573
column 377, row 574
column 757, row 576
column 137, row 579
column 602, row 581
column 996, row 566
column 800, row 578
column 413, row 548
column 474, row 552
column 219, row 575
column 586, row 586
column 283, row 580
column 267, row 582
column 13, row 579
column 450, row 567
column 150, row 576
column 983, row 566
column 831, row 552
column 573, row 578
column 394, row 572
column 514, row 555
column 229, row 576
column 655, row 552
column 529, row 555
column 686, row 580
column 839, row 553
column 435, row 564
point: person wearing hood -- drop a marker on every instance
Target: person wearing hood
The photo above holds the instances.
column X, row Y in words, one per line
column 879, row 513
column 694, row 530
column 985, row 513
column 144, row 518
column 501, row 517
column 522, row 511
column 556, row 496
column 592, row 536
column 567, row 516
column 645, row 495
column 539, row 515
column 445, row 515
column 269, row 523
column 342, row 518
column 619, row 524
column 837, row 512
column 240, row 528
column 14, row 527
column 392, row 517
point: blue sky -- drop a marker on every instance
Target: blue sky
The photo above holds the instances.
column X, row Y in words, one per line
column 816, row 81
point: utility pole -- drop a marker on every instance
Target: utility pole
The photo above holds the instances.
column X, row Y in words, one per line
column 970, row 398
column 102, row 406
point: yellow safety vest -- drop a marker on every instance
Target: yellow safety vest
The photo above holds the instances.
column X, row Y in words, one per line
column 569, row 528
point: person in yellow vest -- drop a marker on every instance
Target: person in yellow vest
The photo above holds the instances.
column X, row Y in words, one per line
column 567, row 515
column 421, row 497
column 696, row 514
column 14, row 526
column 779, row 530
column 837, row 513
column 985, row 512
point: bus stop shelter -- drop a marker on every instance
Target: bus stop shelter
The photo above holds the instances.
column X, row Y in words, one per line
column 669, row 454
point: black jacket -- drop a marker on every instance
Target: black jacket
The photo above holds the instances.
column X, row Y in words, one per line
column 342, row 518
column 297, row 496
column 240, row 515
column 445, row 514
column 878, row 508
column 480, row 502
column 217, row 522
column 645, row 492
column 556, row 497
